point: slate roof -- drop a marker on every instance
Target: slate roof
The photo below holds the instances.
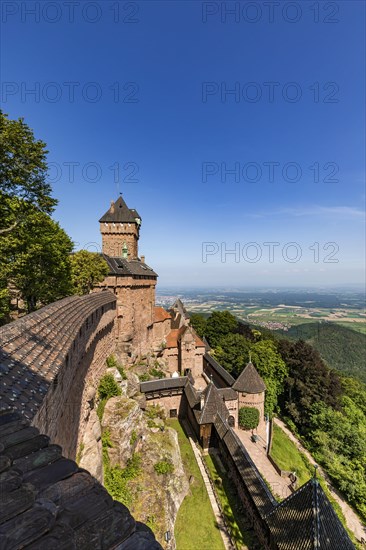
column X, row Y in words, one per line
column 249, row 381
column 227, row 394
column 306, row 521
column 223, row 373
column 120, row 213
column 261, row 495
column 48, row 502
column 191, row 394
column 128, row 268
column 160, row 314
column 33, row 348
column 213, row 404
column 163, row 384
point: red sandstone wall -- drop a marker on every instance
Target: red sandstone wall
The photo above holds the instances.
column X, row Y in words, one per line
column 62, row 413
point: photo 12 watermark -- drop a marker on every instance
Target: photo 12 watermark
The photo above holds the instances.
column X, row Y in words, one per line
column 269, row 172
column 92, row 172
column 235, row 12
column 70, row 92
column 270, row 252
column 270, row 91
column 73, row 11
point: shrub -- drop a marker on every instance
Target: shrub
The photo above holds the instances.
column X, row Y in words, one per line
column 248, row 418
column 144, row 377
column 122, row 372
column 157, row 373
column 133, row 437
column 111, row 361
column 108, row 387
column 164, row 467
column 155, row 411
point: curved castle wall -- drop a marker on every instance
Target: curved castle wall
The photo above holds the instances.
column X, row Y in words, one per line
column 51, row 358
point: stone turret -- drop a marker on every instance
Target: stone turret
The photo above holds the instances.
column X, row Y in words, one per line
column 251, row 391
column 130, row 278
column 120, row 229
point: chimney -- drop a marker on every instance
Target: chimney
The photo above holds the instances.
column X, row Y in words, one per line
column 112, row 207
column 143, row 259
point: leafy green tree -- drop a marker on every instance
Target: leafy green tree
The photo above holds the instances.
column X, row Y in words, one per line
column 309, row 381
column 198, row 322
column 87, row 269
column 272, row 369
column 23, row 173
column 248, row 418
column 219, row 324
column 4, row 303
column 35, row 259
column 232, row 353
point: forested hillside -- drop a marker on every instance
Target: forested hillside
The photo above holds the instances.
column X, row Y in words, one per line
column 325, row 409
column 341, row 348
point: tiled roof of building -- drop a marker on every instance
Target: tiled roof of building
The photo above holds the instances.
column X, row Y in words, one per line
column 260, row 494
column 160, row 314
column 306, row 521
column 249, row 381
column 119, row 212
column 213, row 404
column 223, row 373
column 48, row 502
column 128, row 268
column 174, row 336
column 227, row 394
column 163, row 384
column 192, row 395
column 33, row 349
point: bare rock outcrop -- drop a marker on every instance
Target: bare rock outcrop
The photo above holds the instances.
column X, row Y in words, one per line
column 90, row 452
column 123, row 419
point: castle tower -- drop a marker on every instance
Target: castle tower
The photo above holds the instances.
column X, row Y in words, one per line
column 251, row 391
column 120, row 229
column 130, row 278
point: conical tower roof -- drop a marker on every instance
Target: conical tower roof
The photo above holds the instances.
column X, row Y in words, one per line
column 119, row 212
column 249, row 381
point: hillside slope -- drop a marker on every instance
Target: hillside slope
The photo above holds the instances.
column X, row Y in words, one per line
column 342, row 348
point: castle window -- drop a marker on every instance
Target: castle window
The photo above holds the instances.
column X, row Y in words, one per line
column 173, row 413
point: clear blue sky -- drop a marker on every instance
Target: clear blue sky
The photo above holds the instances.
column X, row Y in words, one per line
column 150, row 65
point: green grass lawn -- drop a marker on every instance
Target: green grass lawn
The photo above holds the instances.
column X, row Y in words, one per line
column 285, row 453
column 195, row 526
column 230, row 503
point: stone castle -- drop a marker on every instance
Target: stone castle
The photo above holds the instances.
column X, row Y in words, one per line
column 143, row 328
column 51, row 362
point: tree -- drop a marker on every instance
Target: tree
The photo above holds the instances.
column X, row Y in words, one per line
column 248, row 418
column 272, row 369
column 309, row 381
column 23, row 174
column 87, row 269
column 219, row 324
column 198, row 322
column 232, row 353
column 35, row 259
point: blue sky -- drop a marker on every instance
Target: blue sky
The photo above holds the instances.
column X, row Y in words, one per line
column 218, row 127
